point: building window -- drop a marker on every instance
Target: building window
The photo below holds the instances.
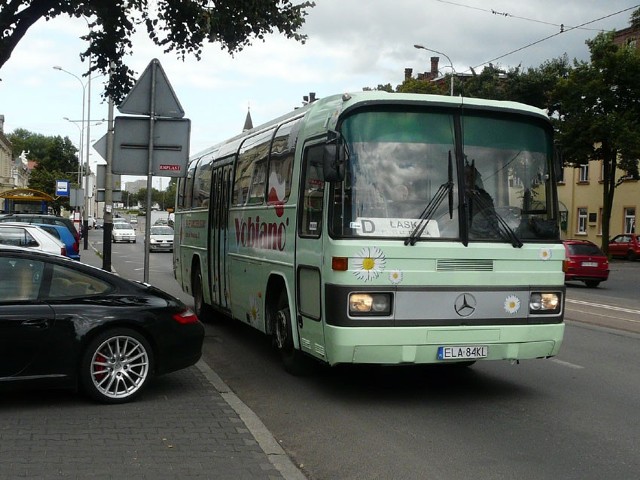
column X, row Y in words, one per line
column 582, row 220
column 600, row 222
column 630, row 220
column 584, row 173
column 601, row 171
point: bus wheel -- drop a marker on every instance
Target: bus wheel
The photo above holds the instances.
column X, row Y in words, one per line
column 294, row 361
column 202, row 310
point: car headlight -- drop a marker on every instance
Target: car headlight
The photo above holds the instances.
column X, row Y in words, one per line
column 544, row 302
column 370, row 304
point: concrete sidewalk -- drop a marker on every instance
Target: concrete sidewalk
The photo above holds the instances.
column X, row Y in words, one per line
column 187, row 424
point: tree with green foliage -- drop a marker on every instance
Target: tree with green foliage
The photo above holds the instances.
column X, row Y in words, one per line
column 164, row 198
column 179, row 26
column 598, row 111
column 56, row 159
column 170, row 194
column 414, row 85
column 533, row 86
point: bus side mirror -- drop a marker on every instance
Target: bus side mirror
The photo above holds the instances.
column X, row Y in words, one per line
column 333, row 159
column 558, row 164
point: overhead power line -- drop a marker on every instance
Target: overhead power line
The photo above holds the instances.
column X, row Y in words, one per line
column 565, row 29
column 561, row 26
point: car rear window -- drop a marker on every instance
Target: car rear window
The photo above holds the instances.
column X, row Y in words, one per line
column 51, row 231
column 584, row 249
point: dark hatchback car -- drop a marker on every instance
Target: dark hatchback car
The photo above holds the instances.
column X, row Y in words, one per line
column 585, row 262
column 67, row 324
column 625, row 246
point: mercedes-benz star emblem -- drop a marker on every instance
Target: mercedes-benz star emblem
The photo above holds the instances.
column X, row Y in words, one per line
column 465, row 304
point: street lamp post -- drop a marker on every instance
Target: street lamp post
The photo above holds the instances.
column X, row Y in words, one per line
column 83, row 157
column 81, row 132
column 420, row 47
column 80, row 152
column 85, row 217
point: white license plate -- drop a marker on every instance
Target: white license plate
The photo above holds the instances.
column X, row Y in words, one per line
column 454, row 352
column 589, row 264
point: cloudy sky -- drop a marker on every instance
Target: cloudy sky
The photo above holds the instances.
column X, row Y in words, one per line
column 352, row 44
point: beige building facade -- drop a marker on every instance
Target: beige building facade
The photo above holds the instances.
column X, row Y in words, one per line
column 580, row 195
column 581, row 191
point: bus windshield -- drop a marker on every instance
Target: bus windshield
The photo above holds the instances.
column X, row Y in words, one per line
column 467, row 175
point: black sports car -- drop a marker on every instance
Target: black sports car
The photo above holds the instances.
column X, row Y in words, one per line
column 64, row 323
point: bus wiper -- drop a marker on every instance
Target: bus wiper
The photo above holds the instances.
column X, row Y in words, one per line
column 433, row 204
column 505, row 231
column 431, row 207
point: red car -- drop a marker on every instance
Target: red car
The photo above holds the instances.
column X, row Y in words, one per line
column 585, row 262
column 626, row 245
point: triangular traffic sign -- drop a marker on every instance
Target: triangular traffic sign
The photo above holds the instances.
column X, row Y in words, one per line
column 138, row 102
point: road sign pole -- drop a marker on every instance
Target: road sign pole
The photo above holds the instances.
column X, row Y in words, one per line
column 152, row 114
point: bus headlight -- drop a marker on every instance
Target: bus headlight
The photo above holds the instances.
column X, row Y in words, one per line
column 370, row 303
column 542, row 302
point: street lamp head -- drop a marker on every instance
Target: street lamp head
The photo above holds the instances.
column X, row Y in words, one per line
column 57, row 67
column 415, row 46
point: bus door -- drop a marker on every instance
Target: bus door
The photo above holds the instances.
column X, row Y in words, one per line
column 309, row 253
column 219, row 279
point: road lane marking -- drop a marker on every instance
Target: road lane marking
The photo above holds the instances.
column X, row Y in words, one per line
column 566, row 364
column 606, row 307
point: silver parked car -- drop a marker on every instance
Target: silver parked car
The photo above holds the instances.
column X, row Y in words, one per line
column 123, row 232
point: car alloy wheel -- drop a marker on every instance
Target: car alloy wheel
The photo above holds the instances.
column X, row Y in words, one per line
column 116, row 366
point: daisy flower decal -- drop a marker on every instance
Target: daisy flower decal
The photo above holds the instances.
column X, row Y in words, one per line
column 544, row 254
column 254, row 310
column 369, row 263
column 395, row 276
column 512, row 304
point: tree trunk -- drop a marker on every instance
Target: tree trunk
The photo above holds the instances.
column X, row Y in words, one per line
column 608, row 190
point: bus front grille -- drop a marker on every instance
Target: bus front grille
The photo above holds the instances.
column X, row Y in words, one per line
column 464, row 265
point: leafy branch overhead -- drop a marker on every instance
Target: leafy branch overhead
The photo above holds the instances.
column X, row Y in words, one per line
column 179, row 26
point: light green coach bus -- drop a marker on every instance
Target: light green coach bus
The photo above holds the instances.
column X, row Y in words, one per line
column 381, row 228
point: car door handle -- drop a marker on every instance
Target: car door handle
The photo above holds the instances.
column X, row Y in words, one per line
column 36, row 323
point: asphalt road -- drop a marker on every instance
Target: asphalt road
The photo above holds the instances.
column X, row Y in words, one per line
column 571, row 417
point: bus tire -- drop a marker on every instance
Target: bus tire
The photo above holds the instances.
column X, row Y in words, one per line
column 294, row 361
column 202, row 309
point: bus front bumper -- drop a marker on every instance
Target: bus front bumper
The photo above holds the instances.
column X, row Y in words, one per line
column 420, row 345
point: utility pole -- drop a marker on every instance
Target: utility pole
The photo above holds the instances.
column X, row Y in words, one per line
column 108, row 193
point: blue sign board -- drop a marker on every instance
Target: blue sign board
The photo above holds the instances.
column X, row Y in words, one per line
column 62, row 188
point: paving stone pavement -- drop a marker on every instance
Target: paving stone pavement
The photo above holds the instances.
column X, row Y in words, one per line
column 186, row 425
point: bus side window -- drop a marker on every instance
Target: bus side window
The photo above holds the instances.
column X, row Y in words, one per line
column 202, row 182
column 188, row 188
column 281, row 161
column 312, row 191
column 250, row 179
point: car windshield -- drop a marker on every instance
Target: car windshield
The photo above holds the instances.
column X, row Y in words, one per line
column 402, row 172
column 122, row 226
column 161, row 230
